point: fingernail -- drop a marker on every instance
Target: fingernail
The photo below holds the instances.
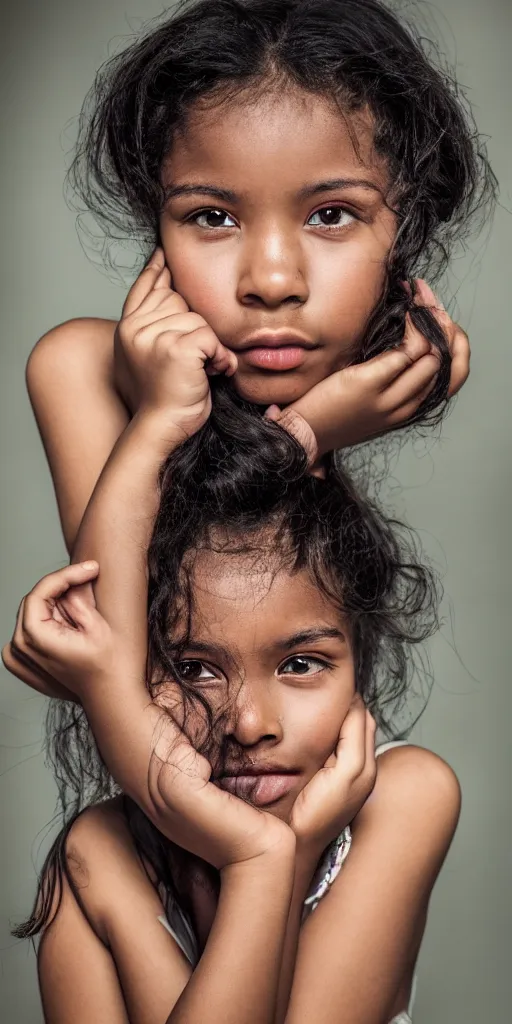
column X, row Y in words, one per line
column 89, row 565
column 272, row 413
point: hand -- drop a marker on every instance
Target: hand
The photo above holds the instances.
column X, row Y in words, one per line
column 74, row 644
column 368, row 399
column 60, row 639
column 333, row 797
column 215, row 825
column 165, row 352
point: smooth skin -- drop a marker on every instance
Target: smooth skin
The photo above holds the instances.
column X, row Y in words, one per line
column 125, row 726
column 372, row 921
column 279, row 258
column 105, row 450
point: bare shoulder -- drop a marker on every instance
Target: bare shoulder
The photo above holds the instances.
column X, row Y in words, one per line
column 79, row 409
column 70, row 347
column 104, row 867
column 104, row 956
column 414, row 786
column 100, row 828
column 373, row 919
column 99, row 836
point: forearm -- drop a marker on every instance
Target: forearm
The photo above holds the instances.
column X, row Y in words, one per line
column 305, row 864
column 115, row 531
column 236, row 980
column 117, row 526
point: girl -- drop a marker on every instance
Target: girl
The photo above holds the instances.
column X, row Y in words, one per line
column 296, row 161
column 272, row 600
column 298, row 288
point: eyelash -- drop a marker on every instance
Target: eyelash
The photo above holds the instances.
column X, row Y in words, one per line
column 193, row 217
column 304, row 657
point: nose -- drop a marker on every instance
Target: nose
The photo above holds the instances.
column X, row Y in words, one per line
column 256, row 717
column 272, row 271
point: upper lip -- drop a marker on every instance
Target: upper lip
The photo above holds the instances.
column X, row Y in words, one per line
column 268, row 768
column 276, row 339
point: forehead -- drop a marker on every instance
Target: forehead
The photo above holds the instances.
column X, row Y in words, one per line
column 246, row 599
column 274, row 139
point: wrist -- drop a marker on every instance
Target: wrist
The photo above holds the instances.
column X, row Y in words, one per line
column 306, row 862
column 278, row 863
column 159, row 429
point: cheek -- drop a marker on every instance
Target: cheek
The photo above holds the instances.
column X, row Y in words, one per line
column 318, row 724
column 349, row 288
column 203, row 281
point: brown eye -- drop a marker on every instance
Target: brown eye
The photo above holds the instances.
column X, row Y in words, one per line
column 212, row 219
column 192, row 671
column 300, row 665
column 331, row 217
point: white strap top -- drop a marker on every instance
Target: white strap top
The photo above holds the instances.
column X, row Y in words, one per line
column 180, row 928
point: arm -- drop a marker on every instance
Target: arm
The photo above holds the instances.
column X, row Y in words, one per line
column 305, row 865
column 123, row 507
column 366, row 400
column 80, row 415
column 360, row 942
column 236, row 979
column 77, row 975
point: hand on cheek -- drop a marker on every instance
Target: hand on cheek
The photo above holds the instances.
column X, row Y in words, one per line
column 367, row 400
column 333, row 797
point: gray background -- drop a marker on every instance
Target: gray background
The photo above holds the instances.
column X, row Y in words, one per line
column 456, row 490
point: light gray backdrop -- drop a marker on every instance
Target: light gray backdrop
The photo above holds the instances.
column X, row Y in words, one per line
column 458, row 493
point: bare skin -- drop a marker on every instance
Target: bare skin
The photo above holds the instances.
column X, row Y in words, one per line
column 286, row 251
column 285, row 262
column 373, row 919
column 84, row 403
column 108, row 682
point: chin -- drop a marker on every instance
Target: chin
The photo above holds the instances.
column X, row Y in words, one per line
column 272, row 388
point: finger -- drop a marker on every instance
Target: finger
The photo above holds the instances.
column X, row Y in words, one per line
column 211, row 351
column 17, row 638
column 351, row 747
column 162, row 294
column 223, row 361
column 412, row 382
column 371, row 727
column 461, row 356
column 20, row 665
column 78, row 599
column 160, row 297
column 57, row 583
column 405, row 412
column 425, row 296
column 383, row 369
column 145, row 282
column 165, row 319
column 295, row 425
column 50, row 588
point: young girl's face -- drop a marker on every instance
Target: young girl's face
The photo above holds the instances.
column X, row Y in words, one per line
column 280, row 652
column 277, row 231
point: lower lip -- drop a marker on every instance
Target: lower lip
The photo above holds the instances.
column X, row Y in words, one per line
column 287, row 357
column 259, row 789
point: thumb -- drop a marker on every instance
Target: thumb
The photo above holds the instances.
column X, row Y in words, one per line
column 53, row 587
column 297, row 427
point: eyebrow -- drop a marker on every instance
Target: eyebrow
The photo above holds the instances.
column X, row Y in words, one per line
column 338, row 183
column 199, row 647
column 224, row 194
column 227, row 195
column 303, row 636
column 310, row 636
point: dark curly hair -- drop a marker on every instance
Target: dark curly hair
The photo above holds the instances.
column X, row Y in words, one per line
column 241, row 485
column 354, row 51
